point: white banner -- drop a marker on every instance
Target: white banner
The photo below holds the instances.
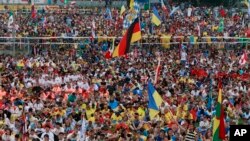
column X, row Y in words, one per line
column 14, row 1
column 23, row 1
column 39, row 1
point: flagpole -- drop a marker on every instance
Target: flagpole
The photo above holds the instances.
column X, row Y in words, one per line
column 148, row 4
column 140, row 27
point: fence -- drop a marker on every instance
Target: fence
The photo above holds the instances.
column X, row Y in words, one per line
column 26, row 45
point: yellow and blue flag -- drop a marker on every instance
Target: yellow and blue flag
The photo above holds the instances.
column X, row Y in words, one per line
column 154, row 101
column 155, row 17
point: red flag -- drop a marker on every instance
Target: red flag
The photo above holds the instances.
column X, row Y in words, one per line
column 157, row 71
column 164, row 8
column 222, row 131
column 33, row 11
column 243, row 59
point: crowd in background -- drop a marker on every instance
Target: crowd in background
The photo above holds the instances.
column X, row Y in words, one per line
column 48, row 95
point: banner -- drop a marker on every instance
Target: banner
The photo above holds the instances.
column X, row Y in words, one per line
column 39, row 1
column 23, row 1
column 14, row 1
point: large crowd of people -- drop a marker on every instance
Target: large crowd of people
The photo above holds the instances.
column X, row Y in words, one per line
column 78, row 94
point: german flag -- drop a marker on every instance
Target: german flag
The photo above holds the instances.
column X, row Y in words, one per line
column 132, row 35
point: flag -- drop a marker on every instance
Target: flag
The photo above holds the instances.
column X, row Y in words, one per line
column 44, row 20
column 131, row 4
column 65, row 1
column 199, row 30
column 109, row 53
column 163, row 6
column 83, row 130
column 72, row 3
column 157, row 71
column 132, row 35
column 174, row 10
column 108, row 15
column 221, row 25
column 123, row 9
column 218, row 123
column 243, row 59
column 33, row 11
column 249, row 7
column 155, row 17
column 93, row 24
column 132, row 15
column 154, row 101
column 11, row 19
column 114, row 105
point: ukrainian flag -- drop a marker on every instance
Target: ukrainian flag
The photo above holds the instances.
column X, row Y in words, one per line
column 155, row 17
column 154, row 101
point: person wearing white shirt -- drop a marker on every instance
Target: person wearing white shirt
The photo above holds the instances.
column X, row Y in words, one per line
column 47, row 131
column 189, row 11
column 7, row 136
column 38, row 105
column 58, row 129
column 183, row 57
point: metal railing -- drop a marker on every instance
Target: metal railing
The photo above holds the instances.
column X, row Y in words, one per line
column 25, row 45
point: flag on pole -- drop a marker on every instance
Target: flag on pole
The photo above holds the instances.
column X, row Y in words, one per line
column 163, row 6
column 123, row 9
column 108, row 54
column 218, row 122
column 83, row 130
column 156, row 17
column 154, row 101
column 132, row 35
column 249, row 7
column 11, row 19
column 131, row 4
column 221, row 25
column 72, row 3
column 174, row 10
column 108, row 15
column 157, row 71
column 93, row 27
column 44, row 21
column 33, row 11
column 243, row 59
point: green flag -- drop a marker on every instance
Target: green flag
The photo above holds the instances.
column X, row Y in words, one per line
column 11, row 19
column 221, row 25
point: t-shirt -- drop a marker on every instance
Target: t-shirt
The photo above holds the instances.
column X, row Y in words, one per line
column 183, row 56
column 190, row 136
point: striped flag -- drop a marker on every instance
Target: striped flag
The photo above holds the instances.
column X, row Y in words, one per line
column 157, row 71
column 108, row 54
column 243, row 59
column 132, row 35
column 218, row 122
column 163, row 6
column 154, row 101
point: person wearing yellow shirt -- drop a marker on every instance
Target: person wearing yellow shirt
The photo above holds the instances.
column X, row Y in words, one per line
column 91, row 118
column 141, row 113
column 182, row 110
column 90, row 110
column 116, row 117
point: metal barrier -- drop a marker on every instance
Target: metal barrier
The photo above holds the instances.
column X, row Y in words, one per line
column 26, row 45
